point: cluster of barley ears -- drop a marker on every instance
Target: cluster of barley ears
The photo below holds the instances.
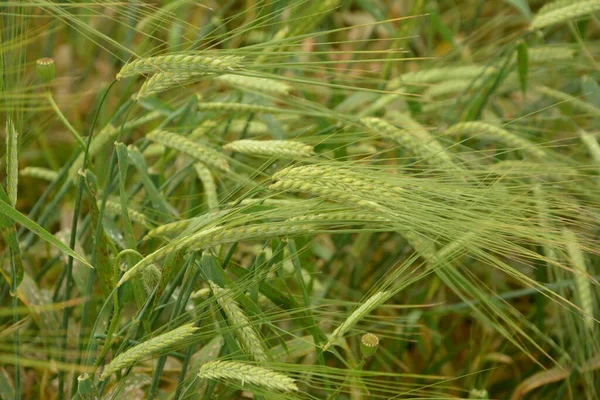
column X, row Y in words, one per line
column 311, row 199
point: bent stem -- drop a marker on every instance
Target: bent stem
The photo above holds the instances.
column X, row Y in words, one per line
column 64, row 120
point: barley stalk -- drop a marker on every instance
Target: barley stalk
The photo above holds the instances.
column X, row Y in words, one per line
column 246, row 373
column 192, row 149
column 489, row 130
column 582, row 283
column 247, row 336
column 208, row 182
column 12, row 162
column 105, row 136
column 39, row 173
column 147, row 348
column 356, row 316
column 181, row 63
column 265, row 85
column 277, row 148
column 563, row 13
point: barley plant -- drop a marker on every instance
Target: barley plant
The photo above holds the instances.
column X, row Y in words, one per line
column 306, row 199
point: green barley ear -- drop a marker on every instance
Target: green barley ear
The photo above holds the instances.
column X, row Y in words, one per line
column 45, row 69
column 145, row 349
column 369, row 343
column 151, row 277
column 560, row 11
column 246, row 373
column 275, row 148
column 208, row 182
column 202, row 130
column 190, row 64
column 265, row 85
column 582, row 283
column 244, row 331
column 163, row 81
column 515, row 142
column 201, row 153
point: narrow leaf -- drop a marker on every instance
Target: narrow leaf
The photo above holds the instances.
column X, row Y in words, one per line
column 10, row 212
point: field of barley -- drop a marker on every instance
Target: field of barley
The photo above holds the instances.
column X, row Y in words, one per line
column 300, row 199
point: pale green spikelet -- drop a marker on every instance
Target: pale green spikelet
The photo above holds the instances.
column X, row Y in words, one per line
column 488, row 130
column 592, row 145
column 334, row 176
column 205, row 240
column 562, row 12
column 12, row 162
column 239, row 107
column 151, row 277
column 413, row 138
column 154, row 150
column 178, row 227
column 265, row 85
column 151, row 116
column 545, row 54
column 144, row 349
column 276, row 148
column 339, row 186
column 450, row 86
column 356, row 316
column 202, row 130
column 247, row 373
column 342, row 217
column 201, row 294
column 163, row 81
column 244, row 331
column 574, row 102
column 181, row 63
column 168, row 229
column 39, row 173
column 251, row 128
column 208, row 182
column 201, row 153
column 114, row 207
column 582, row 282
column 216, row 236
column 435, row 75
